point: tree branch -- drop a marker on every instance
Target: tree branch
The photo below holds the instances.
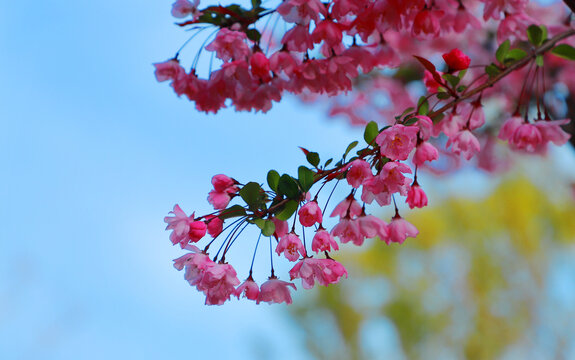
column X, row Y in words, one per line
column 517, row 65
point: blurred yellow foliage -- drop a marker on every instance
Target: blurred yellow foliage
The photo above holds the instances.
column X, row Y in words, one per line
column 475, row 284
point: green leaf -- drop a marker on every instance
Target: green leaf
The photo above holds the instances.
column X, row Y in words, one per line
column 259, row 222
column 515, row 55
column 451, row 79
column 287, row 211
column 410, row 121
column 492, row 70
column 539, row 60
column 256, row 3
column 502, row 51
column 269, row 228
column 313, row 158
column 305, row 177
column 564, row 51
column 422, row 106
column 253, row 195
column 349, row 148
column 266, row 226
column 288, row 187
column 461, row 88
column 371, row 132
column 461, row 74
column 544, row 30
column 273, row 179
column 253, row 35
column 327, row 163
column 233, row 211
column 443, row 96
column 535, row 35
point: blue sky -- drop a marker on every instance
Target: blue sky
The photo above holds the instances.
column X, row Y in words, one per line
column 93, row 154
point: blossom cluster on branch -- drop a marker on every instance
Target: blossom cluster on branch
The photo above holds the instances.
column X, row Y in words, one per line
column 340, row 46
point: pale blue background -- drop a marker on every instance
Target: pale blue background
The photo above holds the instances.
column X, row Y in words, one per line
column 93, row 154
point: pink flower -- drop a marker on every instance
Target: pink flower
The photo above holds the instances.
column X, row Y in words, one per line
column 219, row 200
column 298, row 39
column 249, row 288
column 224, row 186
column 282, row 228
column 425, row 126
column 183, row 8
column 425, row 152
column 400, row 229
column 223, row 183
column 196, row 263
column 359, row 171
column 260, row 66
column 323, row 241
column 456, row 60
column 372, row 226
column 426, row 22
column 552, row 132
column 301, row 11
column 348, row 230
column 509, row 126
column 230, row 45
column 462, row 19
column 325, row 271
column 218, row 283
column 397, row 141
column 275, row 291
column 169, row 70
column 185, row 229
column 389, row 181
column 416, row 197
column 215, row 225
column 464, row 142
column 309, row 214
column 291, row 246
column 329, row 32
column 349, row 207
column 526, row 137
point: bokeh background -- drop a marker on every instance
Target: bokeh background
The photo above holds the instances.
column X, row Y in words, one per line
column 94, row 153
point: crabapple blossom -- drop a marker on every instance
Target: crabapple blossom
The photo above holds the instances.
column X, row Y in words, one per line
column 456, row 60
column 275, row 291
column 425, row 152
column 185, row 229
column 323, row 241
column 291, row 246
column 324, row 271
column 359, row 171
column 416, row 197
column 349, row 207
column 428, row 110
column 400, row 229
column 372, row 226
column 249, row 289
column 183, row 8
column 397, row 141
column 465, row 143
column 310, row 214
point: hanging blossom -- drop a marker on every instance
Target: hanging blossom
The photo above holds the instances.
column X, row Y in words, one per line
column 333, row 49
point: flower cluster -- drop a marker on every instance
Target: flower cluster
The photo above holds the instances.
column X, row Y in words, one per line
column 334, row 47
column 326, row 46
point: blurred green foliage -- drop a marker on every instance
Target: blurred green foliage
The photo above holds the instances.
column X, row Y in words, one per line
column 479, row 282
